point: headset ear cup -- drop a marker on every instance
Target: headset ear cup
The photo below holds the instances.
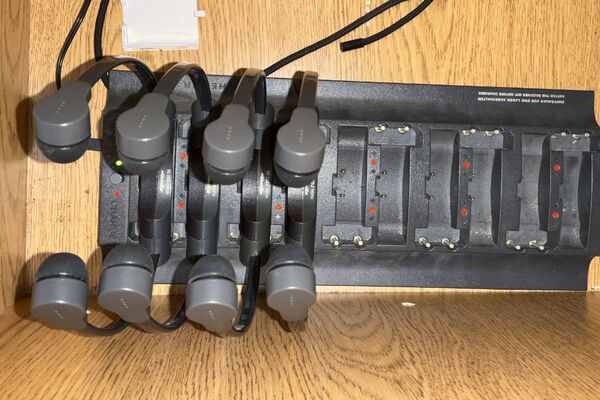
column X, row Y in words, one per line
column 299, row 148
column 228, row 145
column 290, row 282
column 126, row 282
column 60, row 292
column 62, row 122
column 144, row 134
column 211, row 295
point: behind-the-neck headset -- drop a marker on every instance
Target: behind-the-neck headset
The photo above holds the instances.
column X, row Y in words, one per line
column 62, row 120
column 127, row 276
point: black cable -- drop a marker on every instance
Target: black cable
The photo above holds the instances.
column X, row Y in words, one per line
column 333, row 37
column 358, row 43
column 251, row 284
column 98, row 29
column 69, row 39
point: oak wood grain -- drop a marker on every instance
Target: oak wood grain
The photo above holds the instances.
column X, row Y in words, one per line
column 14, row 117
column 356, row 346
column 502, row 42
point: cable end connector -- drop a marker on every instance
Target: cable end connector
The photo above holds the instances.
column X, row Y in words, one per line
column 352, row 44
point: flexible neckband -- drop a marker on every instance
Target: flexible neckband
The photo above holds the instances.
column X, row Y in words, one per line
column 175, row 74
column 252, row 87
column 300, row 143
column 107, row 64
column 308, row 90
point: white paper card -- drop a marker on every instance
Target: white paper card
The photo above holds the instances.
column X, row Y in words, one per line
column 160, row 24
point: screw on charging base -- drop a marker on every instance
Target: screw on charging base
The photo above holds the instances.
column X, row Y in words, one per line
column 512, row 245
column 534, row 244
column 449, row 244
column 359, row 242
column 380, row 128
column 334, row 240
column 425, row 243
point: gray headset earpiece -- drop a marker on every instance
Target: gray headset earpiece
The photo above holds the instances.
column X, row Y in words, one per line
column 229, row 141
column 60, row 295
column 144, row 134
column 126, row 288
column 62, row 120
column 211, row 294
column 300, row 144
column 290, row 282
column 126, row 282
column 228, row 145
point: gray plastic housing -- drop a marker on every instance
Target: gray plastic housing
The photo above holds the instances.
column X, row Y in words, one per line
column 126, row 283
column 211, row 294
column 228, row 145
column 61, row 302
column 300, row 147
column 62, row 122
column 144, row 134
column 60, row 292
column 290, row 283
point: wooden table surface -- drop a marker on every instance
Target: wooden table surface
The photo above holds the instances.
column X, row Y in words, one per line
column 356, row 346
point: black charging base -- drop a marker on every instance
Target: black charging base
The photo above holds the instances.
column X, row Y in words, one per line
column 379, row 137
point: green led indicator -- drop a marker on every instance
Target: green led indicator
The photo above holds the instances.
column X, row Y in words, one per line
column 119, row 163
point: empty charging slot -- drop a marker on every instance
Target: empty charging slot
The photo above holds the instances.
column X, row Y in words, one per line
column 441, row 189
column 530, row 192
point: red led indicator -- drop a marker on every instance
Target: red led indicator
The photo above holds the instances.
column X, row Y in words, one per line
column 181, row 204
column 555, row 215
column 117, row 194
column 372, row 210
column 183, row 156
column 466, row 164
column 556, row 167
column 278, row 207
column 373, row 162
column 464, row 212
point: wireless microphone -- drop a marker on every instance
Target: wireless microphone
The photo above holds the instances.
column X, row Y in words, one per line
column 62, row 120
column 300, row 144
column 229, row 141
column 60, row 296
